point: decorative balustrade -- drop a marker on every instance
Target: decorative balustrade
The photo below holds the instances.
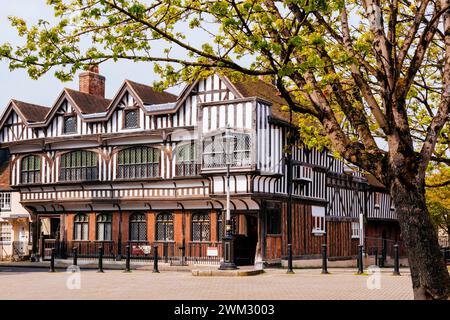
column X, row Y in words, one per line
column 108, row 194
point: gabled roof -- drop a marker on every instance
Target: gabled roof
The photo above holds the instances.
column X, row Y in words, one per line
column 88, row 103
column 250, row 87
column 31, row 112
column 371, row 180
column 149, row 96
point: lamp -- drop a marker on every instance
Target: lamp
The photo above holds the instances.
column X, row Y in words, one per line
column 227, row 240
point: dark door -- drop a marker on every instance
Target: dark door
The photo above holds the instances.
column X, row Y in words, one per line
column 245, row 245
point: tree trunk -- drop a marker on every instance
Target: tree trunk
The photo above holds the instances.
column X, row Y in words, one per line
column 430, row 277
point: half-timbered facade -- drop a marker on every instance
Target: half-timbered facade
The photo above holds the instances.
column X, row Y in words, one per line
column 149, row 166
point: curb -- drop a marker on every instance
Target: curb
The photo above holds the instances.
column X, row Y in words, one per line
column 226, row 273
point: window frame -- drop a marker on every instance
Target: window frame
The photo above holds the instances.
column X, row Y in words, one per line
column 355, row 230
column 107, row 223
column 155, row 166
column 132, row 223
column 65, row 118
column 36, row 173
column 192, row 162
column 5, row 201
column 319, row 222
column 81, row 224
column 70, row 162
column 166, row 224
column 5, row 229
column 201, row 222
column 124, row 118
column 218, row 151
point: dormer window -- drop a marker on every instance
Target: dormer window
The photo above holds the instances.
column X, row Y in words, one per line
column 131, row 119
column 70, row 124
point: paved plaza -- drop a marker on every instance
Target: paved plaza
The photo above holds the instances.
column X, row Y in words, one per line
column 25, row 283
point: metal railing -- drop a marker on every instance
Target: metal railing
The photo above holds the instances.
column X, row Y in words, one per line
column 168, row 252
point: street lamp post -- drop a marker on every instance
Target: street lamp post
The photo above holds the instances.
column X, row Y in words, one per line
column 289, row 191
column 227, row 240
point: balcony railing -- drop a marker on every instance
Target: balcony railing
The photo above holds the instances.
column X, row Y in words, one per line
column 108, row 194
column 187, row 168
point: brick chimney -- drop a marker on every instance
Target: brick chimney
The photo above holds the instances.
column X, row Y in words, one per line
column 92, row 82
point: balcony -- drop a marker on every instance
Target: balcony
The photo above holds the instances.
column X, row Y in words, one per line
column 80, row 194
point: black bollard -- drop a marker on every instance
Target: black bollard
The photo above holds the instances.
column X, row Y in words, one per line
column 75, row 256
column 127, row 263
column 100, row 259
column 360, row 260
column 324, row 259
column 396, row 261
column 155, row 259
column 290, row 270
column 376, row 256
column 52, row 260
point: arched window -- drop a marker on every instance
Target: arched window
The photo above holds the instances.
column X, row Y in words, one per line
column 217, row 152
column 138, row 227
column 30, row 169
column 104, row 227
column 186, row 160
column 200, row 227
column 138, row 162
column 78, row 166
column 81, row 227
column 164, row 227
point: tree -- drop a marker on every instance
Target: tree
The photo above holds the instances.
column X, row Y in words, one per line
column 366, row 71
column 438, row 199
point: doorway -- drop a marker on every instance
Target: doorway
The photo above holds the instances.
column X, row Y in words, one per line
column 245, row 243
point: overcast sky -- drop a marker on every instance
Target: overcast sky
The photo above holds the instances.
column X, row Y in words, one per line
column 18, row 85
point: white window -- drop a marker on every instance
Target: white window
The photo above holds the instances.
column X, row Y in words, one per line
column 5, row 201
column 318, row 214
column 302, row 173
column 5, row 232
column 215, row 151
column 355, row 230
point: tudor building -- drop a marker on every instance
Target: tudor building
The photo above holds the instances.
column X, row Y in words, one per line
column 150, row 166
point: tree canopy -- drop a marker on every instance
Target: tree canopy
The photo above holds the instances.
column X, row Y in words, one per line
column 365, row 70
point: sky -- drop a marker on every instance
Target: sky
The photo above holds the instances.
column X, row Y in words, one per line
column 44, row 91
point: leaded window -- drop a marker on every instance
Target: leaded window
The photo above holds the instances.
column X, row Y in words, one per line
column 164, row 227
column 5, row 201
column 81, row 227
column 201, row 227
column 138, row 227
column 31, row 169
column 104, row 227
column 220, row 227
column 186, row 160
column 78, row 166
column 70, row 124
column 138, row 162
column 236, row 153
column 131, row 119
column 5, row 233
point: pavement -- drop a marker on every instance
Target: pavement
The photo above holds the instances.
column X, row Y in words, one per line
column 31, row 283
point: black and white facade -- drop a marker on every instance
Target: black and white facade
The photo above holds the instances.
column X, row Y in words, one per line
column 150, row 166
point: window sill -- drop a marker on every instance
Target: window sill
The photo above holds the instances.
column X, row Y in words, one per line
column 355, row 237
column 318, row 233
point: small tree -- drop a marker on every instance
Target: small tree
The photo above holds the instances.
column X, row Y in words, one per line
column 364, row 71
